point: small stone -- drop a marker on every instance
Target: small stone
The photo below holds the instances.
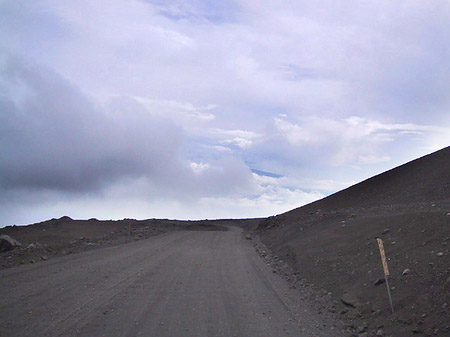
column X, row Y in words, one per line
column 350, row 300
column 406, row 271
column 387, row 230
column 379, row 281
column 8, row 243
column 362, row 329
column 440, row 254
column 44, row 257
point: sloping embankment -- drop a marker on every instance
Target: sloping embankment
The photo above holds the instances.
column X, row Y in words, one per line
column 332, row 244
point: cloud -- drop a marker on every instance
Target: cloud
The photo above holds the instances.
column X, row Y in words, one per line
column 54, row 138
column 180, row 111
column 241, row 138
column 354, row 139
column 197, row 10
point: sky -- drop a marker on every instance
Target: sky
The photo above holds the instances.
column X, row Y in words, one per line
column 212, row 109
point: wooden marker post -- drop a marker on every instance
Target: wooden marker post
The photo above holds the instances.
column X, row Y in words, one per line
column 386, row 270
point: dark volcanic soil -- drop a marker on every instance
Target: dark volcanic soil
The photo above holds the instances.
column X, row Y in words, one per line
column 331, row 244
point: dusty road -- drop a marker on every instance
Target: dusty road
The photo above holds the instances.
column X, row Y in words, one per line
column 186, row 283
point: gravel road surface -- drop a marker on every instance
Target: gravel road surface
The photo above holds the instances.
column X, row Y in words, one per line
column 184, row 283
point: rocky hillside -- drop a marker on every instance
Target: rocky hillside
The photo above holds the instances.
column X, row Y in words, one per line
column 331, row 245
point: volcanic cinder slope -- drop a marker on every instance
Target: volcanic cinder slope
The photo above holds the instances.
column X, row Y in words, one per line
column 332, row 245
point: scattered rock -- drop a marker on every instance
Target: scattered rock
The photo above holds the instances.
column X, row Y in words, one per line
column 362, row 329
column 387, row 230
column 248, row 237
column 404, row 321
column 350, row 299
column 440, row 254
column 380, row 333
column 44, row 257
column 8, row 243
column 376, row 313
column 406, row 271
column 379, row 281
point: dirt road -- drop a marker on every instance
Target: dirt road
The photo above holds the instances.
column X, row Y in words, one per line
column 185, row 283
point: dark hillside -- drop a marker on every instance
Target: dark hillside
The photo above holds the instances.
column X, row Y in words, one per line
column 331, row 244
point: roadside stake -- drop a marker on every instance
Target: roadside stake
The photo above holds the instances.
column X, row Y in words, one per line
column 386, row 270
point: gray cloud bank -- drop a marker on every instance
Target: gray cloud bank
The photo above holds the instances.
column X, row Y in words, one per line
column 53, row 137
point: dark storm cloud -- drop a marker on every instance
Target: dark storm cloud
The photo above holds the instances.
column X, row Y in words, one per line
column 53, row 137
